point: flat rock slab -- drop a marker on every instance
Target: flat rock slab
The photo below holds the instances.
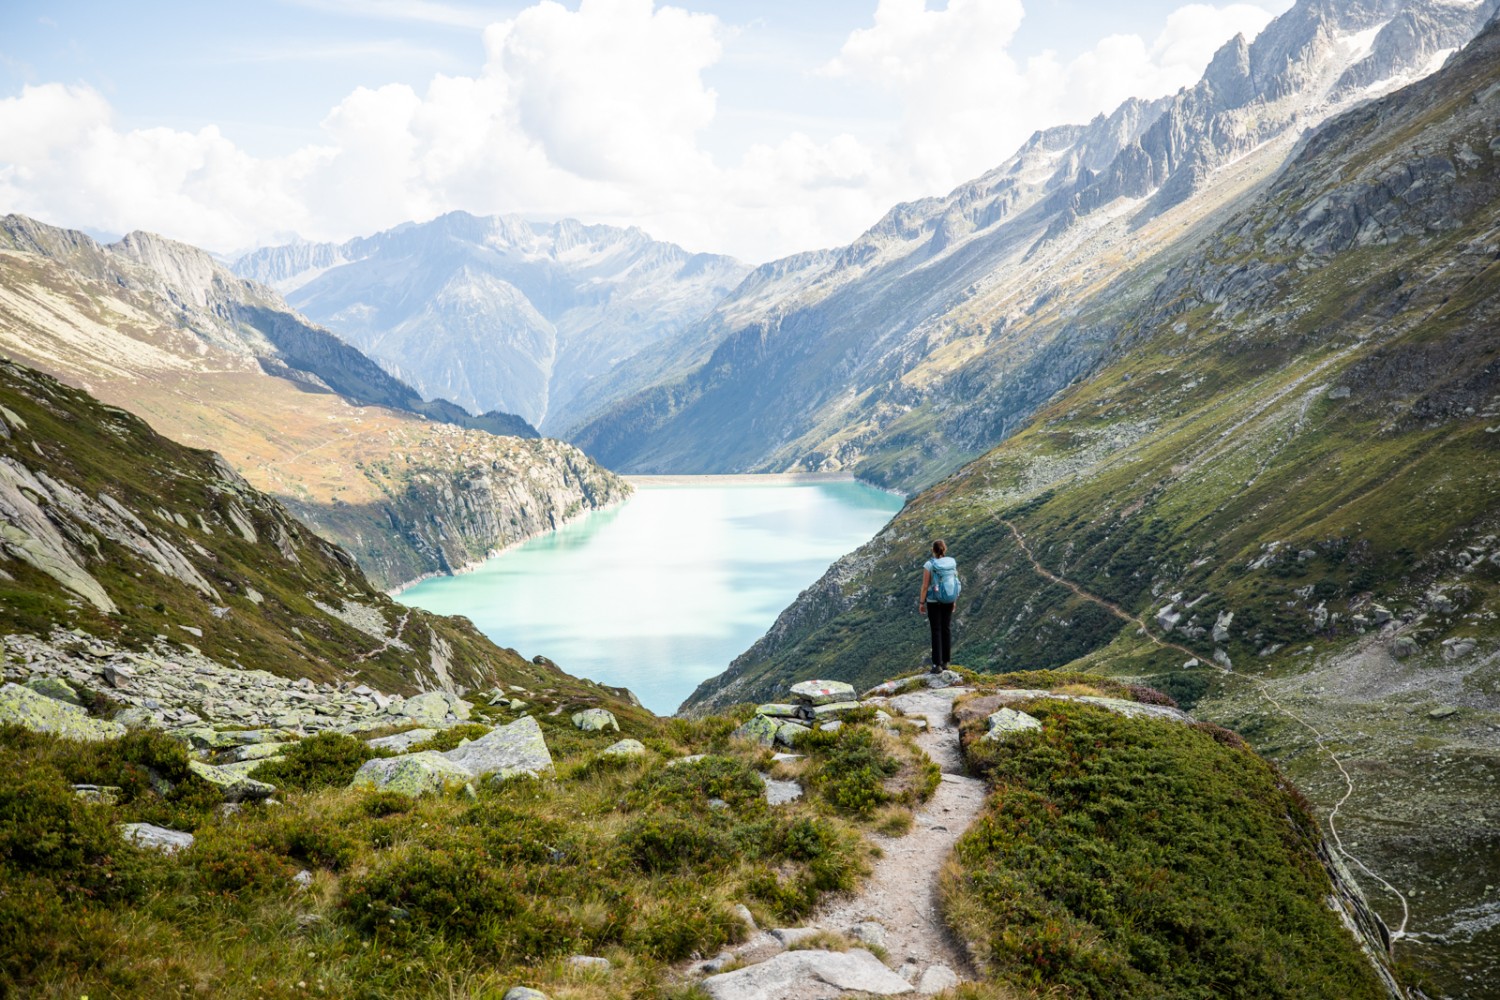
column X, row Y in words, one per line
column 156, row 838
column 823, row 692
column 794, row 973
column 989, row 703
column 506, row 750
column 779, row 793
column 41, row 714
column 1008, row 721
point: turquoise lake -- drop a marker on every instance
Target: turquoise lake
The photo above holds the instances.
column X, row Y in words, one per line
column 661, row 592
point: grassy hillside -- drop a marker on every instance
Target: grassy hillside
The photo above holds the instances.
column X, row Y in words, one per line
column 109, row 530
column 1301, row 429
column 643, row 861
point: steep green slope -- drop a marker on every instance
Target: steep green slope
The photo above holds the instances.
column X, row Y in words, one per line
column 109, row 531
column 1290, row 466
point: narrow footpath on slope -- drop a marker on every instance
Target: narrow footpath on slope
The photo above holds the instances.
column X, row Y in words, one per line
column 902, row 893
column 898, row 906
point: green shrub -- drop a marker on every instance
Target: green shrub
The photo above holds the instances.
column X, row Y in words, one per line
column 226, row 862
column 45, row 828
column 327, row 760
column 851, row 769
column 1125, row 857
column 658, row 843
column 727, row 778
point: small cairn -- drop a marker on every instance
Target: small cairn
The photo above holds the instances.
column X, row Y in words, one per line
column 814, row 703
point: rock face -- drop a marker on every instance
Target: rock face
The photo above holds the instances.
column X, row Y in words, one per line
column 499, row 313
column 411, row 487
column 945, row 326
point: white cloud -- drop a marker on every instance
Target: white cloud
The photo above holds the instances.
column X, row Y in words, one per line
column 599, row 113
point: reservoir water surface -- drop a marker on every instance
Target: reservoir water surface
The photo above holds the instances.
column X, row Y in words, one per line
column 661, row 592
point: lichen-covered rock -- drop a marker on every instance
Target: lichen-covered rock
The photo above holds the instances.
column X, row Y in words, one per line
column 55, row 687
column 834, row 710
column 234, row 786
column 24, row 707
column 787, row 733
column 1008, row 721
column 506, row 750
column 257, row 751
column 760, row 729
column 401, row 742
column 625, row 748
column 156, row 838
column 245, row 768
column 524, row 993
column 778, row 711
column 594, row 720
column 412, row 774
column 823, row 692
column 433, row 708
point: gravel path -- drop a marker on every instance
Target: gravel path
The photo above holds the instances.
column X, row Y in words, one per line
column 902, row 893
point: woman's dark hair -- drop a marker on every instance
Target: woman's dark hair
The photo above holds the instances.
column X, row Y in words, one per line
column 939, row 548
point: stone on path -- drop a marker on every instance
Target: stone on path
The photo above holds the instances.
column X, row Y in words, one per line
column 524, row 993
column 156, row 838
column 624, row 748
column 947, row 678
column 853, row 971
column 595, row 720
column 936, row 979
column 795, row 935
column 412, row 774
column 504, row 751
column 870, row 932
column 41, row 714
column 823, row 692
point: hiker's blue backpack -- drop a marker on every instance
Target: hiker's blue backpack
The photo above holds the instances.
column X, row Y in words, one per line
column 945, row 586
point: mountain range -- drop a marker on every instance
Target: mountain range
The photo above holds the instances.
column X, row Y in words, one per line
column 497, row 312
column 945, row 326
column 1275, row 497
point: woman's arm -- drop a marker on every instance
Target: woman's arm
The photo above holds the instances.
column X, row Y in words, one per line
column 926, row 584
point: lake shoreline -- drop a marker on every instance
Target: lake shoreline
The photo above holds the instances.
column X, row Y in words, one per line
column 660, row 481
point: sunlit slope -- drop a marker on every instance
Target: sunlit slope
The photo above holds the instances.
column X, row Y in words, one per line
column 111, row 532
column 171, row 336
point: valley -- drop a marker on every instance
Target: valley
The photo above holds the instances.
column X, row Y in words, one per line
column 297, row 601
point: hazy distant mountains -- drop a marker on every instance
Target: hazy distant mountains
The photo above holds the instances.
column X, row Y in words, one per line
column 498, row 313
column 943, row 328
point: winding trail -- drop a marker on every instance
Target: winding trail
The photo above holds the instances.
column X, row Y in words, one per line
column 1318, row 737
column 902, row 892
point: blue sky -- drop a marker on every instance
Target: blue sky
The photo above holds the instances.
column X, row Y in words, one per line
column 751, row 128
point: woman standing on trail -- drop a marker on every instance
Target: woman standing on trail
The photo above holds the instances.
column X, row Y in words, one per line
column 940, row 589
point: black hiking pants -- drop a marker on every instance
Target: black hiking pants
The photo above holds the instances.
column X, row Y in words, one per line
column 940, row 620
